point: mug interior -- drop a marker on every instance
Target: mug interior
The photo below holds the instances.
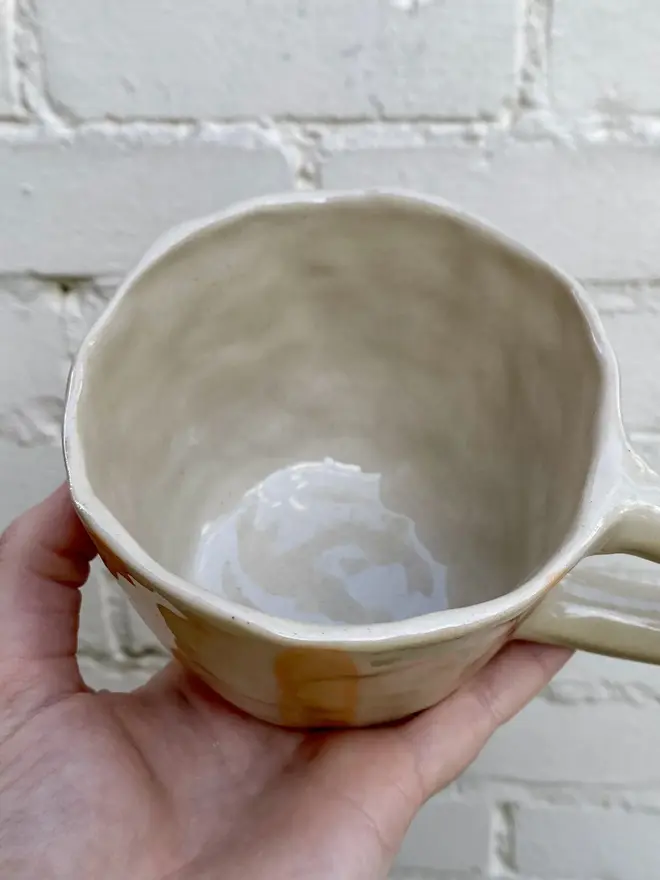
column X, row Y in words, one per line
column 440, row 374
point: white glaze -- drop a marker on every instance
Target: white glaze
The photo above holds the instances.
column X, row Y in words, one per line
column 315, row 542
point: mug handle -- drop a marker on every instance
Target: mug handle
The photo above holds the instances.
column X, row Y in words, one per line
column 600, row 613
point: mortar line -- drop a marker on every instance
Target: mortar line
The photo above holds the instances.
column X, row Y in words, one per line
column 502, row 861
column 38, row 103
column 602, row 132
column 533, row 80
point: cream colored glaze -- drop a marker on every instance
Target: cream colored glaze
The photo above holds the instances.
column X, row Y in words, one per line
column 588, row 610
column 361, row 331
column 393, row 334
column 302, row 685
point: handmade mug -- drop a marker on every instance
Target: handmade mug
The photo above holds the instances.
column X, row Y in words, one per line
column 437, row 408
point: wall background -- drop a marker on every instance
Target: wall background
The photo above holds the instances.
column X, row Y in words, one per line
column 118, row 119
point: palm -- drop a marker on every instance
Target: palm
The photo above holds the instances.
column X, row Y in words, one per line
column 170, row 781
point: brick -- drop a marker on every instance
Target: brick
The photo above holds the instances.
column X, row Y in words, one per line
column 603, row 55
column 635, row 337
column 103, row 676
column 287, row 58
column 600, row 744
column 9, row 100
column 32, row 340
column 94, row 204
column 94, row 634
column 591, row 208
column 447, row 836
column 594, row 843
column 27, row 475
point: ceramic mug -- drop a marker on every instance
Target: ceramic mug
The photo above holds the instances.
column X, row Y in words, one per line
column 465, row 395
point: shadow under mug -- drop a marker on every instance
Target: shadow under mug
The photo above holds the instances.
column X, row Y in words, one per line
column 388, row 331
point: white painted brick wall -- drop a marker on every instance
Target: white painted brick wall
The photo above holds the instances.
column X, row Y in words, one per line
column 118, row 119
column 587, row 743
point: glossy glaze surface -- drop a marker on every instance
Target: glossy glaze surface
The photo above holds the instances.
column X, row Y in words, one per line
column 315, row 542
column 457, row 386
column 337, row 448
column 589, row 610
column 300, row 685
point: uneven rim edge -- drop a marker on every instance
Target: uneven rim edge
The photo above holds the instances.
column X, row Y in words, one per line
column 433, row 627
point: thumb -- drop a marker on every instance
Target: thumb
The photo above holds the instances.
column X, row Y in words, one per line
column 447, row 738
column 44, row 559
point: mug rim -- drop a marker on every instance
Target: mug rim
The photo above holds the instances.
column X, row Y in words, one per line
column 594, row 513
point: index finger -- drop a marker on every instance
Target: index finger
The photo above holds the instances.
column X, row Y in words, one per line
column 44, row 559
column 448, row 737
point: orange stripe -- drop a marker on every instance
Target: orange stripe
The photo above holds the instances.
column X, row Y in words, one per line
column 317, row 688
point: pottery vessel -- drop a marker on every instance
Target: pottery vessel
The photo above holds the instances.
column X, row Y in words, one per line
column 396, row 334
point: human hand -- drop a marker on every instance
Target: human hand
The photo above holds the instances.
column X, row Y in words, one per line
column 172, row 782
